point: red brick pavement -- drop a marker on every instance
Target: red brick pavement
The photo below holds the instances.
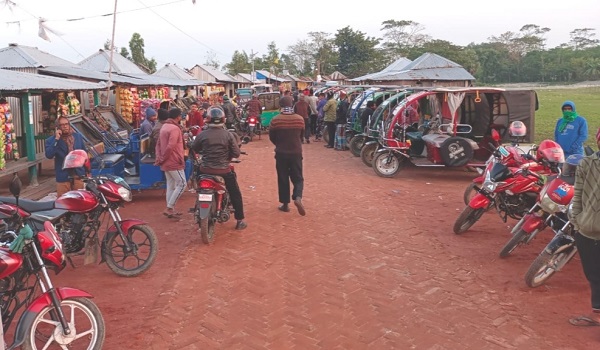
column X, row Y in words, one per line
column 373, row 265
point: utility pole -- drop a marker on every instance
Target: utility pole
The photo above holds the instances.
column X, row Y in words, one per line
column 253, row 75
column 112, row 51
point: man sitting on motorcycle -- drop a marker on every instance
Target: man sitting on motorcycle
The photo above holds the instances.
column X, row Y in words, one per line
column 254, row 108
column 218, row 147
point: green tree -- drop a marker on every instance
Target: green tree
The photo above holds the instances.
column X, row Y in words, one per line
column 325, row 55
column 400, row 36
column 357, row 52
column 138, row 55
column 125, row 53
column 271, row 60
column 107, row 44
column 240, row 63
column 592, row 68
column 211, row 60
column 583, row 38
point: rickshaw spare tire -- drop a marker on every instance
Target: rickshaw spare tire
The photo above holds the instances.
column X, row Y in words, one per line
column 456, row 151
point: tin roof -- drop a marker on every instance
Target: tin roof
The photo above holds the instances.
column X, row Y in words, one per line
column 451, row 73
column 396, row 66
column 18, row 56
column 269, row 75
column 158, row 80
column 20, row 81
column 174, row 72
column 100, row 61
column 247, row 78
column 78, row 72
column 217, row 74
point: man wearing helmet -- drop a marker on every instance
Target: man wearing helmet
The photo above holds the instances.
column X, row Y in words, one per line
column 217, row 147
column 571, row 130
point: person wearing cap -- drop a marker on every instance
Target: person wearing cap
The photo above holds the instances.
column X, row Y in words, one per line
column 217, row 147
column 170, row 158
column 286, row 133
column 571, row 130
column 195, row 119
column 148, row 123
column 230, row 113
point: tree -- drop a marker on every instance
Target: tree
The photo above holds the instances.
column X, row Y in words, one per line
column 271, row 59
column 240, row 63
column 107, row 44
column 325, row 55
column 301, row 57
column 357, row 52
column 583, row 38
column 211, row 60
column 138, row 56
column 401, row 36
column 125, row 53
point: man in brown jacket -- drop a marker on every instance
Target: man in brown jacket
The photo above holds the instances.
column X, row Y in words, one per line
column 169, row 156
column 286, row 132
column 302, row 108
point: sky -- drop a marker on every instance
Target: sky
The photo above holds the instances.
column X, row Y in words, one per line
column 183, row 33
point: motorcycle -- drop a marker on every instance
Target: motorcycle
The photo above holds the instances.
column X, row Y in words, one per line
column 56, row 317
column 129, row 246
column 511, row 190
column 248, row 127
column 549, row 210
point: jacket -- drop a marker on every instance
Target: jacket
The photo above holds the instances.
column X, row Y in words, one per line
column 229, row 109
column 572, row 138
column 254, row 107
column 302, row 108
column 585, row 214
column 169, row 148
column 286, row 133
column 217, row 147
column 312, row 102
column 59, row 150
column 329, row 110
column 341, row 113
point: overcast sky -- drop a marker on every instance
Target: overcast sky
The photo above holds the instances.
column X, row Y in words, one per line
column 183, row 33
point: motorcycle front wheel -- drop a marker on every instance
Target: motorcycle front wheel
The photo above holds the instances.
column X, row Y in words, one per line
column 516, row 240
column 387, row 164
column 545, row 265
column 466, row 219
column 356, row 144
column 470, row 192
column 85, row 322
column 367, row 153
column 144, row 244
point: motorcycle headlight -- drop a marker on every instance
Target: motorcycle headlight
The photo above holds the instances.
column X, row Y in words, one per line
column 125, row 194
column 550, row 206
column 490, row 185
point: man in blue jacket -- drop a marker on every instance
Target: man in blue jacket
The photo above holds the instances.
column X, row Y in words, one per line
column 58, row 146
column 571, row 130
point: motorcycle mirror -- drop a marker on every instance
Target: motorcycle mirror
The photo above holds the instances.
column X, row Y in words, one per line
column 495, row 135
column 15, row 186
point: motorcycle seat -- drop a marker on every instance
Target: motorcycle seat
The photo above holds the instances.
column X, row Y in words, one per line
column 217, row 178
column 29, row 205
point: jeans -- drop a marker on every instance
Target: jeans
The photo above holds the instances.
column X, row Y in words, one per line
column 289, row 167
column 589, row 253
column 175, row 186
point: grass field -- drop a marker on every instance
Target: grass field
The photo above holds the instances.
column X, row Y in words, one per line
column 587, row 104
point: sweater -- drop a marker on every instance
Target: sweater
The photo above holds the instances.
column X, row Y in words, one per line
column 286, row 133
column 585, row 214
column 169, row 148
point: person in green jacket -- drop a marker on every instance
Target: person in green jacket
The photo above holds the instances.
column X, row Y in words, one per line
column 585, row 216
column 329, row 112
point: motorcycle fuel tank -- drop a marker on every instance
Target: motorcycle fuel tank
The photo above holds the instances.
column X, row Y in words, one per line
column 9, row 262
column 560, row 191
column 78, row 201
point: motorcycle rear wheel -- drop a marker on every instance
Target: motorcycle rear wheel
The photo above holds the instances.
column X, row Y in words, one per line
column 207, row 226
column 83, row 316
column 367, row 153
column 386, row 164
column 466, row 219
column 516, row 240
column 356, row 144
column 544, row 266
column 145, row 245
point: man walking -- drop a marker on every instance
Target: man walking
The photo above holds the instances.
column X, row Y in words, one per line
column 286, row 133
column 169, row 156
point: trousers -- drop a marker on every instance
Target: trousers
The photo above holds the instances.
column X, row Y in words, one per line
column 289, row 168
column 589, row 253
column 175, row 186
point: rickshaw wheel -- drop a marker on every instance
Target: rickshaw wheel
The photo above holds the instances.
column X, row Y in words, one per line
column 387, row 164
column 367, row 153
column 356, row 144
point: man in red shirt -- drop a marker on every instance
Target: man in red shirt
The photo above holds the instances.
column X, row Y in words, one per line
column 195, row 118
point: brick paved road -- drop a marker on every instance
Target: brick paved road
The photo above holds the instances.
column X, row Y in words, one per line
column 373, row 265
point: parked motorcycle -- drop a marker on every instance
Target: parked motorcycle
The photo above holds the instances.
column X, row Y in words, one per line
column 511, row 190
column 549, row 210
column 52, row 317
column 129, row 246
column 249, row 127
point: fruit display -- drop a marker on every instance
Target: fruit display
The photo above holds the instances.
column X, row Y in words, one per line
column 9, row 139
column 73, row 103
column 3, row 112
column 127, row 103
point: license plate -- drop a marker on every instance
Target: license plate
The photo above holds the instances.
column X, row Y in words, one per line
column 252, row 124
column 204, row 197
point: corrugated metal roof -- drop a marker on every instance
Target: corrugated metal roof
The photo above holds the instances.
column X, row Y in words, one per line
column 337, row 76
column 396, row 66
column 219, row 76
column 17, row 56
column 157, row 80
column 247, row 78
column 452, row 73
column 100, row 61
column 431, row 60
column 19, row 81
column 269, row 75
column 174, row 72
column 78, row 72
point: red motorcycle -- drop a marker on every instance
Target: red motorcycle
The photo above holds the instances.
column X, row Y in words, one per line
column 549, row 210
column 212, row 204
column 129, row 246
column 511, row 190
column 249, row 128
column 53, row 317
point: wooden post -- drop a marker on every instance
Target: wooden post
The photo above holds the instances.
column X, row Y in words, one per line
column 27, row 122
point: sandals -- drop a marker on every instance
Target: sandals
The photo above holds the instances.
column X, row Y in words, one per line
column 172, row 214
column 584, row 321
